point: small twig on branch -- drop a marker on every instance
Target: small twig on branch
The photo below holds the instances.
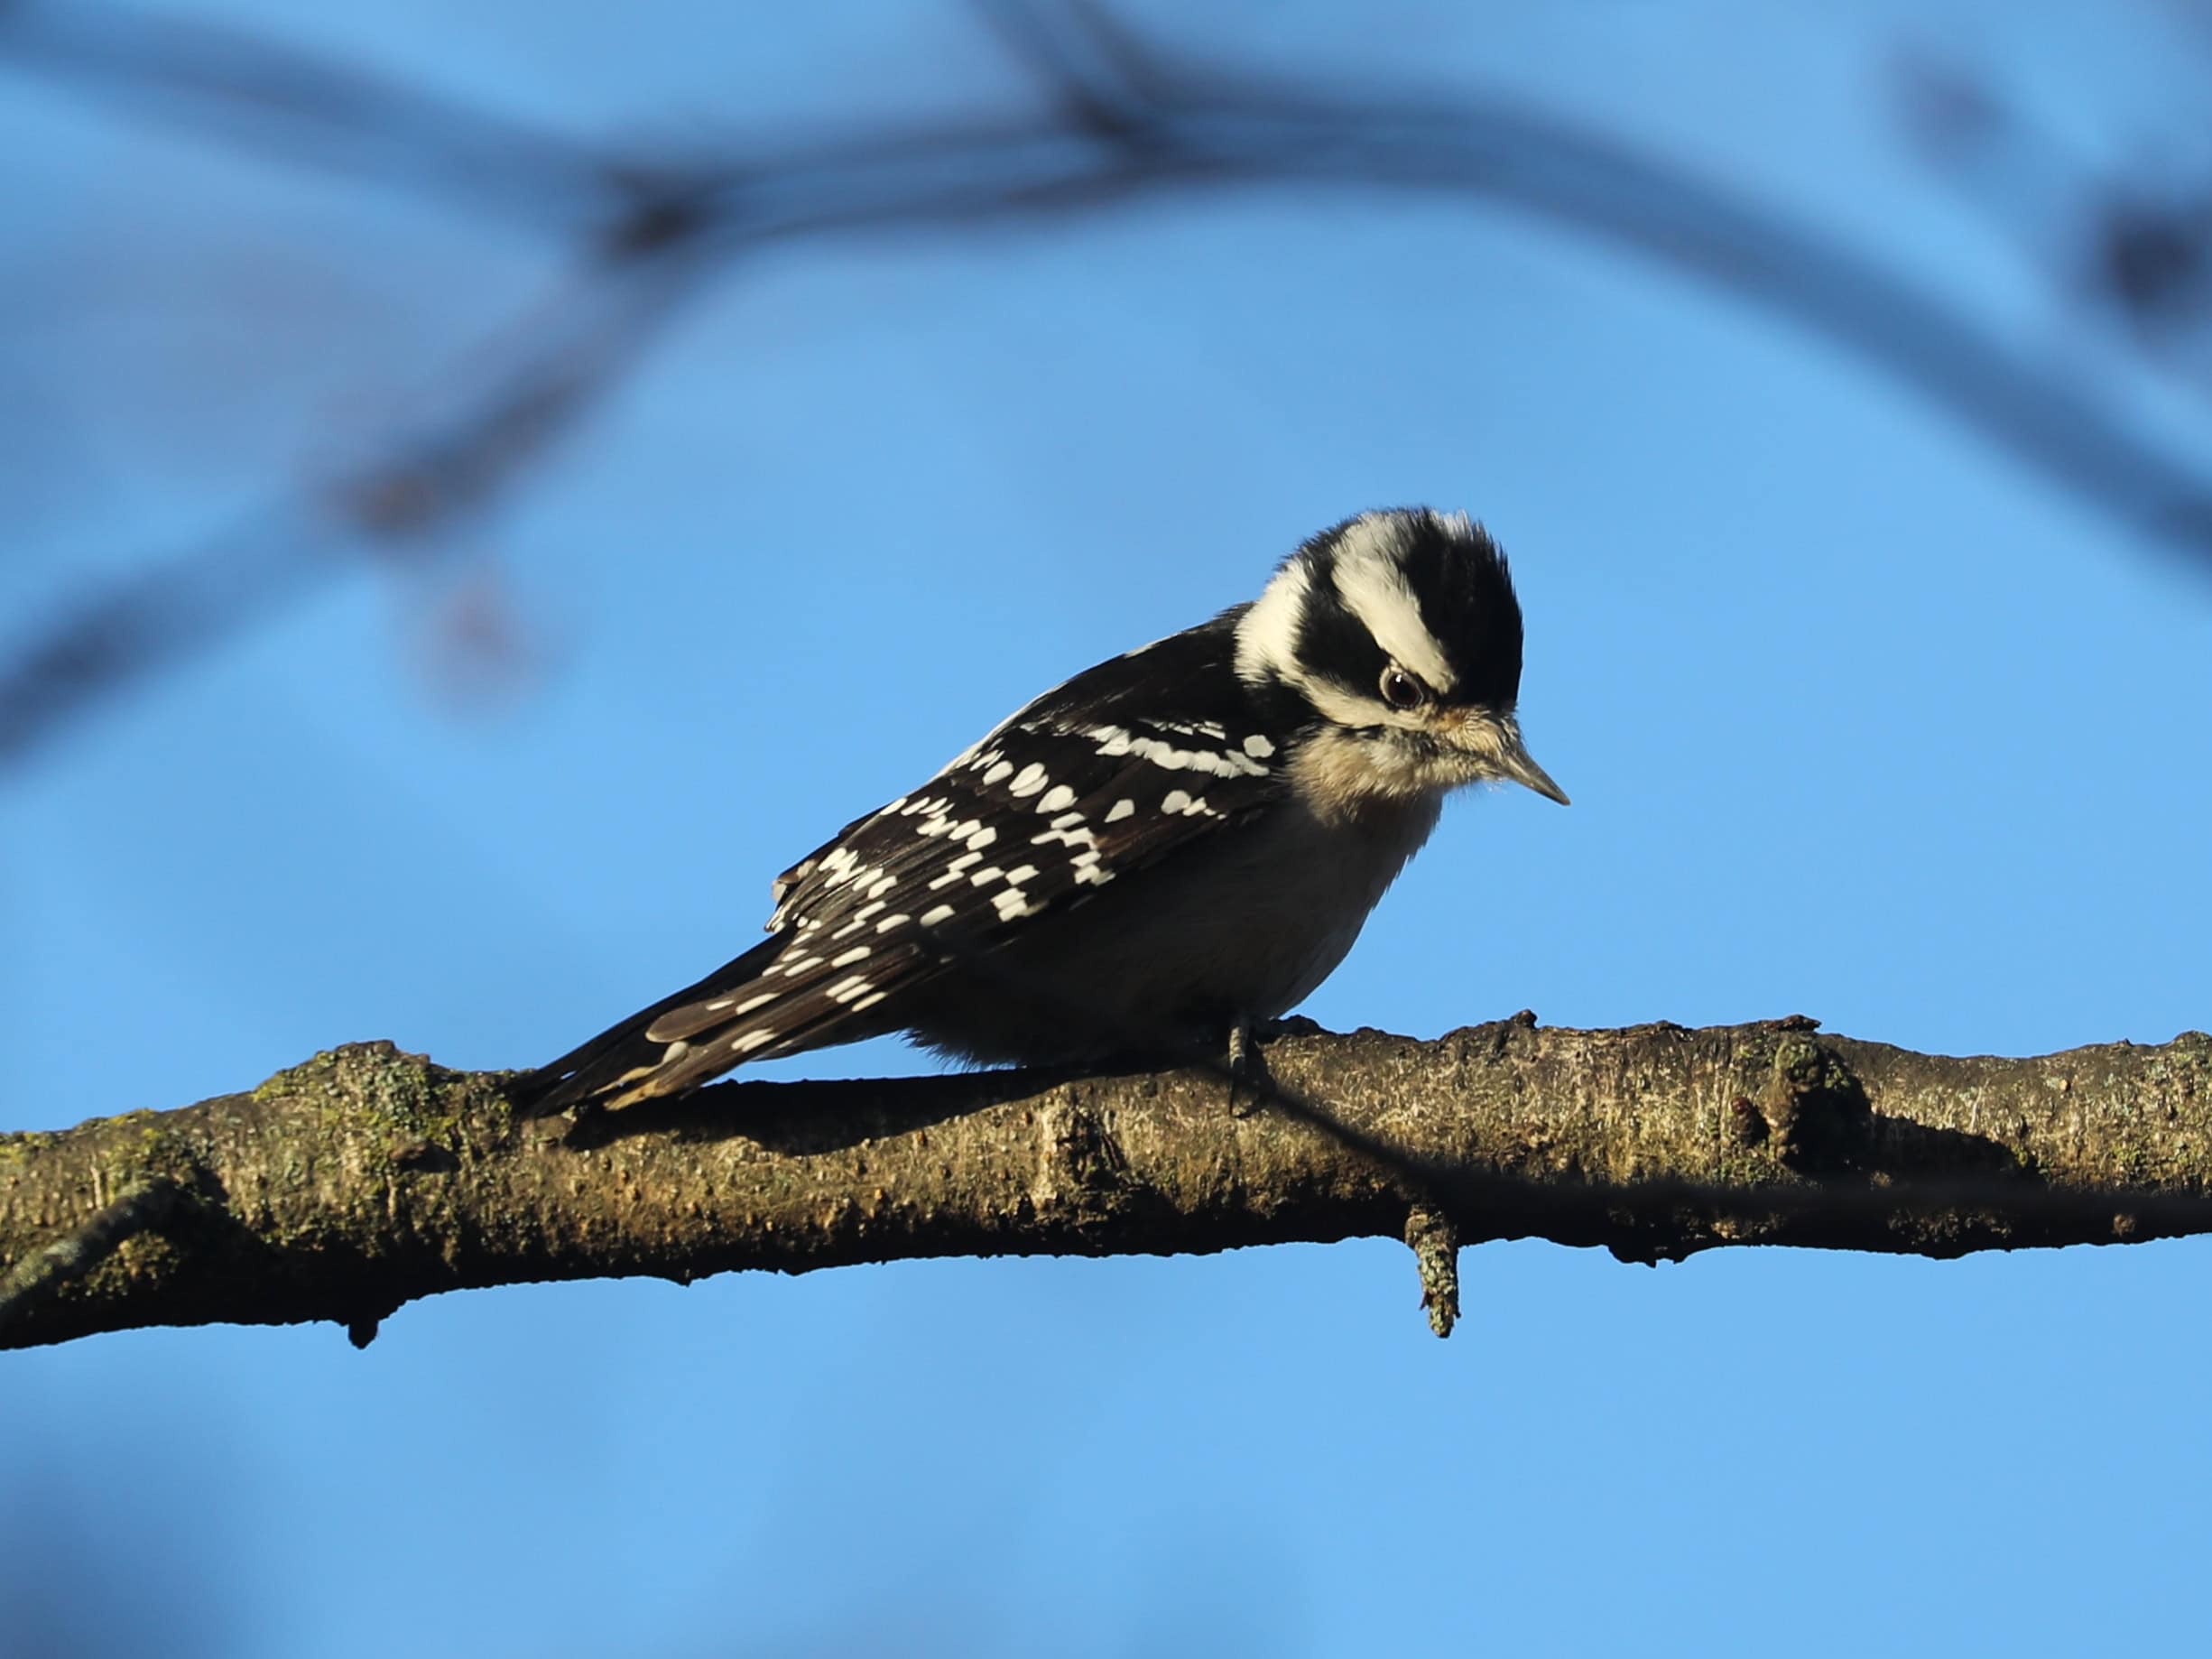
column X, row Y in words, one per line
column 353, row 1184
column 39, row 1273
column 1435, row 1244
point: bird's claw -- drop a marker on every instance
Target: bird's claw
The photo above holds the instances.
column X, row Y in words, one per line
column 1248, row 1078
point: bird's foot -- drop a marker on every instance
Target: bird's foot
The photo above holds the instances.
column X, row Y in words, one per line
column 1249, row 1082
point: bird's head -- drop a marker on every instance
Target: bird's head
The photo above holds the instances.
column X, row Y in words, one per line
column 1401, row 632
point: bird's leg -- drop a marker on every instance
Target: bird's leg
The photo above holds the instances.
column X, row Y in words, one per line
column 1250, row 1081
column 1247, row 1068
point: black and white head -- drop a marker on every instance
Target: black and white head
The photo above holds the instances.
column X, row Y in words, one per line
column 1400, row 632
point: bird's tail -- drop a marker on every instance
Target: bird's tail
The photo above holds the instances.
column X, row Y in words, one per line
column 623, row 1064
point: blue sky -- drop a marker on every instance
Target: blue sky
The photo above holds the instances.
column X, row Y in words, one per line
column 1861, row 719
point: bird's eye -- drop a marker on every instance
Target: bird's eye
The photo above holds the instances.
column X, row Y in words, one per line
column 1401, row 689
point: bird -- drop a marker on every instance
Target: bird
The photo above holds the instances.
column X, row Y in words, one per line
column 1162, row 854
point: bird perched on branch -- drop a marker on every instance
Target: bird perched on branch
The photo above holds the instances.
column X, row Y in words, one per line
column 1148, row 858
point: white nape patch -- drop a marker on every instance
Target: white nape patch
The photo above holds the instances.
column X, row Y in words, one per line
column 897, row 918
column 1174, row 801
column 1267, row 634
column 1056, row 799
column 858, row 953
column 870, row 1000
column 1124, row 808
column 1011, row 903
column 751, row 1003
column 940, row 912
column 746, row 1042
column 1258, row 747
column 846, row 989
column 1371, row 581
column 999, row 772
column 1027, row 781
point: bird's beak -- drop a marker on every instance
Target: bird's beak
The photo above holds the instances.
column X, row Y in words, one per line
column 1514, row 762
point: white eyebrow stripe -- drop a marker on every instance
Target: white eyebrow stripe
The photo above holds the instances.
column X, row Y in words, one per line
column 1373, row 588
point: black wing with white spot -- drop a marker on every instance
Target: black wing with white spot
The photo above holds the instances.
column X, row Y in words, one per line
column 1103, row 774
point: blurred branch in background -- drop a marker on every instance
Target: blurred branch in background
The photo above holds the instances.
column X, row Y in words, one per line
column 1116, row 118
column 2136, row 248
column 350, row 1185
column 305, row 110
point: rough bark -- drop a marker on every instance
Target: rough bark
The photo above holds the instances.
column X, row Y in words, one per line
column 346, row 1187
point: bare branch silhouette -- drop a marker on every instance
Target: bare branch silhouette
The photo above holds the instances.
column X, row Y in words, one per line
column 427, row 481
column 1122, row 120
column 2131, row 247
column 302, row 108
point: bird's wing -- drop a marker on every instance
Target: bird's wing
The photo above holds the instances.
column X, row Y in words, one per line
column 1072, row 792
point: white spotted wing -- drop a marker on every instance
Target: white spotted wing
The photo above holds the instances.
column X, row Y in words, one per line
column 1110, row 772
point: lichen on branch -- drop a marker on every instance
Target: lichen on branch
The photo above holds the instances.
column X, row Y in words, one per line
column 348, row 1186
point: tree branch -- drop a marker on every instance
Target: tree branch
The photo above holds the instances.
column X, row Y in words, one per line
column 346, row 1187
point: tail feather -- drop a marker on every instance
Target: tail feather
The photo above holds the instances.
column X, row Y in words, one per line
column 625, row 1052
